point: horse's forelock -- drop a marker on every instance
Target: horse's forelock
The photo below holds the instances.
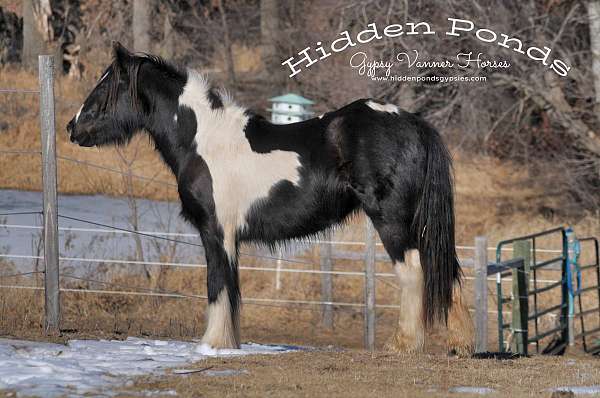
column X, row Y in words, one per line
column 112, row 96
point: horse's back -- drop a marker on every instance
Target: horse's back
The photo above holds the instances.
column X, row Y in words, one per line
column 374, row 139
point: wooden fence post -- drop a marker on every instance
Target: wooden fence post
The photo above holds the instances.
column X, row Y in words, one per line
column 520, row 286
column 325, row 250
column 369, row 286
column 481, row 296
column 47, row 124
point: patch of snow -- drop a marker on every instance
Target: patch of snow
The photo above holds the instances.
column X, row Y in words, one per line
column 49, row 370
column 578, row 390
column 159, row 393
column 472, row 390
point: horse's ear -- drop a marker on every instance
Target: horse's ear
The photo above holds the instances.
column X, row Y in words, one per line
column 121, row 54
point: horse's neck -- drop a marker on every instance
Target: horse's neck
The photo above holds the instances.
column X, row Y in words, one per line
column 171, row 152
column 211, row 130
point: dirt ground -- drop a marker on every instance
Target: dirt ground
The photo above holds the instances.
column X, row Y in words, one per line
column 362, row 374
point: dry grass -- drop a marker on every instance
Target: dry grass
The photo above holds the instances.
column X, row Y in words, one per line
column 362, row 374
column 116, row 316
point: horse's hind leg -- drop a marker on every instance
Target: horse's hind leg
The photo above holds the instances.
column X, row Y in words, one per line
column 461, row 332
column 410, row 332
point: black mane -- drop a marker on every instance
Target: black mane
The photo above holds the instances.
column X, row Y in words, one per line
column 132, row 69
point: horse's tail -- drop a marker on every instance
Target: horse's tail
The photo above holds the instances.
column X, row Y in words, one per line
column 434, row 225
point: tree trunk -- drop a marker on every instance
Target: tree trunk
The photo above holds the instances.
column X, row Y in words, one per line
column 227, row 42
column 134, row 221
column 269, row 29
column 407, row 100
column 33, row 41
column 167, row 51
column 593, row 8
column 141, row 25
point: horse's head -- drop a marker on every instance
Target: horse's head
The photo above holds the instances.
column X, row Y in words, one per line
column 133, row 86
column 108, row 114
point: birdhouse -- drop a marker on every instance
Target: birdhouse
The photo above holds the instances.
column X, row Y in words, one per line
column 290, row 108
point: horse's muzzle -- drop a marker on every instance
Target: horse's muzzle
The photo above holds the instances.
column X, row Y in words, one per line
column 70, row 127
column 81, row 138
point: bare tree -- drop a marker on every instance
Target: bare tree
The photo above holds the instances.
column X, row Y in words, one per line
column 141, row 25
column 269, row 31
column 10, row 36
column 128, row 161
column 35, row 18
column 167, row 49
column 229, row 64
column 593, row 9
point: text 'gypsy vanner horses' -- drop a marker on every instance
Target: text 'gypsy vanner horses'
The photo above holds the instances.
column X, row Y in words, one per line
column 242, row 179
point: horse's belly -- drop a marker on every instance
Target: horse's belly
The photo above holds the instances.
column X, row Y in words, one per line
column 293, row 211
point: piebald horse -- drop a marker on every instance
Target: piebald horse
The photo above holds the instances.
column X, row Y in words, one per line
column 243, row 179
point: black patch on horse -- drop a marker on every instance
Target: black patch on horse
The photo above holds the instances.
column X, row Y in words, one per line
column 214, row 98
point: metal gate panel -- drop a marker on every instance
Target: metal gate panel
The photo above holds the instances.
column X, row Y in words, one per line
column 589, row 272
column 533, row 311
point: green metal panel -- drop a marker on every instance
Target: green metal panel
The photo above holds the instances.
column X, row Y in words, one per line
column 525, row 247
column 520, row 308
column 595, row 311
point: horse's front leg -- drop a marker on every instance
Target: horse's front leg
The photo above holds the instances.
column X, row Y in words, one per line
column 223, row 328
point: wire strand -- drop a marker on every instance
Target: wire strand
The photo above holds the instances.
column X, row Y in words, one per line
column 128, row 230
column 20, row 213
column 18, row 90
column 97, row 166
column 246, row 301
column 22, row 274
column 19, row 152
column 118, row 285
column 176, row 240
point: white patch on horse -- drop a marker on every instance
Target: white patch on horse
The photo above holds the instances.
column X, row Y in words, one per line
column 78, row 113
column 410, row 334
column 104, row 76
column 390, row 108
column 175, row 118
column 222, row 331
column 99, row 81
column 240, row 176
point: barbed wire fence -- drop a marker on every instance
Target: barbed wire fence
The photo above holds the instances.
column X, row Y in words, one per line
column 327, row 248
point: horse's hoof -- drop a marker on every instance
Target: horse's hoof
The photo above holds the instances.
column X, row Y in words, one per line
column 403, row 344
column 209, row 349
column 220, row 342
column 461, row 350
